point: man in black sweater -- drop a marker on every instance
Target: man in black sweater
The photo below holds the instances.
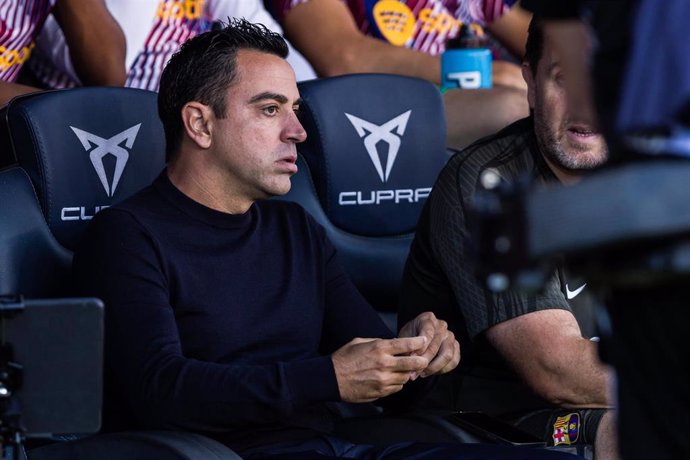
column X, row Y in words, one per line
column 228, row 314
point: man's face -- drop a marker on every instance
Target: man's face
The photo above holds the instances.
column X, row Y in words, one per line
column 255, row 144
column 569, row 143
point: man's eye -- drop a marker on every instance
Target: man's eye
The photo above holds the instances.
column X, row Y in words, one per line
column 270, row 110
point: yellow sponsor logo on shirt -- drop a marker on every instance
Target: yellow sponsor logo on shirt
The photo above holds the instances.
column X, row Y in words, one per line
column 439, row 22
column 442, row 22
column 180, row 9
column 11, row 57
column 395, row 21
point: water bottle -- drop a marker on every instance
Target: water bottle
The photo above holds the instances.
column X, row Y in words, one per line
column 466, row 63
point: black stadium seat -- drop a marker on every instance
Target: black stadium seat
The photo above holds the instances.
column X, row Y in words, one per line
column 375, row 145
column 70, row 153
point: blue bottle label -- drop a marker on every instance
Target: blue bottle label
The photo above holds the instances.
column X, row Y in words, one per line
column 466, row 68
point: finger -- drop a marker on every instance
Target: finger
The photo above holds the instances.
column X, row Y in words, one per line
column 390, row 383
column 456, row 360
column 402, row 345
column 427, row 329
column 390, row 389
column 414, row 327
column 447, row 358
column 408, row 364
column 357, row 340
column 426, row 324
column 434, row 345
column 440, row 332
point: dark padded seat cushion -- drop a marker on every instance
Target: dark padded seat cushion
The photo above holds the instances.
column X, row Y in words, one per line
column 80, row 147
column 31, row 261
column 375, row 141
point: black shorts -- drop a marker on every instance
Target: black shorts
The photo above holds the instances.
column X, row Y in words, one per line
column 561, row 427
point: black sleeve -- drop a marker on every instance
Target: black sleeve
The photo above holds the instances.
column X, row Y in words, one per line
column 451, row 244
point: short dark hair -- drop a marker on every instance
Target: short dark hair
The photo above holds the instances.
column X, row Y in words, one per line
column 204, row 67
column 534, row 48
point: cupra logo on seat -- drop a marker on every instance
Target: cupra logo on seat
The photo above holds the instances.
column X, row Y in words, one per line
column 390, row 132
column 104, row 147
column 384, row 133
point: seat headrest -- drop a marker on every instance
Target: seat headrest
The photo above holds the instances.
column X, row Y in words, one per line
column 374, row 140
column 85, row 149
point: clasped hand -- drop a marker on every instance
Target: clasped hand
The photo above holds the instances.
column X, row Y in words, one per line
column 369, row 369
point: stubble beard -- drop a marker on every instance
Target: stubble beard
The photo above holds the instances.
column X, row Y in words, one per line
column 577, row 158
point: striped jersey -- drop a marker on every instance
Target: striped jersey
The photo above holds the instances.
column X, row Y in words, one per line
column 423, row 25
column 174, row 23
column 154, row 30
column 20, row 23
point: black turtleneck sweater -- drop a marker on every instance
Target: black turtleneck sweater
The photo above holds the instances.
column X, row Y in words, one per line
column 219, row 323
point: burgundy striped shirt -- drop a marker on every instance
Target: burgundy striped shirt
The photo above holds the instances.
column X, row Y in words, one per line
column 424, row 25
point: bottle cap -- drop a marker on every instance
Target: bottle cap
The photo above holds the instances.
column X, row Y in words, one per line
column 466, row 38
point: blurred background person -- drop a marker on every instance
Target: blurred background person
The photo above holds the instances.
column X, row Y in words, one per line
column 96, row 41
column 407, row 38
column 155, row 29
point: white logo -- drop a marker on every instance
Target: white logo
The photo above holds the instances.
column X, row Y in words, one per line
column 381, row 133
column 572, row 294
column 108, row 146
column 466, row 80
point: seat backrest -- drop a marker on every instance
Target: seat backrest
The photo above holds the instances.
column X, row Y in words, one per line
column 375, row 145
column 73, row 152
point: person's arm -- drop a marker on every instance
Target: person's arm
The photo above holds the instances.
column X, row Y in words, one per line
column 547, row 350
column 511, row 30
column 326, row 33
column 536, row 334
column 9, row 90
column 95, row 40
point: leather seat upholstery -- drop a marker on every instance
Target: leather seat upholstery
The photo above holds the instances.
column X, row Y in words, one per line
column 375, row 145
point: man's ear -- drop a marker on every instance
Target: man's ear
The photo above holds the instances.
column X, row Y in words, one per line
column 529, row 79
column 197, row 119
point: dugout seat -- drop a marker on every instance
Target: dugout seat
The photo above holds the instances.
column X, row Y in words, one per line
column 375, row 145
column 67, row 154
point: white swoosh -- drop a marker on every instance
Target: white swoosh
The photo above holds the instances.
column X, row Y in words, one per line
column 572, row 294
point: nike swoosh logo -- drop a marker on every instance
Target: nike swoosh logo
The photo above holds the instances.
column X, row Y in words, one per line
column 572, row 294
